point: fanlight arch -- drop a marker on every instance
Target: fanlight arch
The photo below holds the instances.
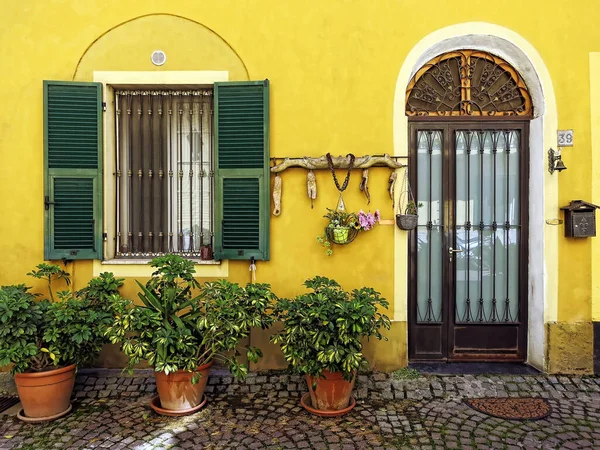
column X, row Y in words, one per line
column 468, row 83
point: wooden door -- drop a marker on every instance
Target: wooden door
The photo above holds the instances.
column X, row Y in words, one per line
column 468, row 255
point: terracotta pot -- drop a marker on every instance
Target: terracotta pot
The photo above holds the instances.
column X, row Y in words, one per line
column 46, row 395
column 176, row 391
column 331, row 393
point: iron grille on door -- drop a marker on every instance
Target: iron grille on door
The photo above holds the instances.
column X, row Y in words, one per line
column 487, row 226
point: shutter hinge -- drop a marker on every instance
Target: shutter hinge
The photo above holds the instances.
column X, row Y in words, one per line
column 104, row 106
column 105, row 236
column 47, row 203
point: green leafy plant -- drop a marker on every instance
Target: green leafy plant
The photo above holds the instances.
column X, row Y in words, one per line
column 39, row 335
column 411, row 208
column 50, row 273
column 323, row 329
column 406, row 373
column 339, row 218
column 173, row 329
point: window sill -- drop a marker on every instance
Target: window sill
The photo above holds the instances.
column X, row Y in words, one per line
column 140, row 268
column 141, row 262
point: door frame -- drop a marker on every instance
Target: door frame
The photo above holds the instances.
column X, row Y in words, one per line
column 416, row 331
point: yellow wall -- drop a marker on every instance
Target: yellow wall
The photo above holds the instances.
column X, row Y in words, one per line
column 333, row 68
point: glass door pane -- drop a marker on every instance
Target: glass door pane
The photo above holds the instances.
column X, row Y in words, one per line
column 430, row 226
column 487, row 226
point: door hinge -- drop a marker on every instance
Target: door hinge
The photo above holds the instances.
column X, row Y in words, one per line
column 47, row 203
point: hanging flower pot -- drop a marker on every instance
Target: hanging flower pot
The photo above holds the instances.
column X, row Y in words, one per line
column 340, row 235
column 407, row 217
column 407, row 221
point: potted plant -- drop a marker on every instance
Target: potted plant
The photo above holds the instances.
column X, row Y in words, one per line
column 180, row 334
column 322, row 339
column 46, row 340
column 343, row 227
column 410, row 218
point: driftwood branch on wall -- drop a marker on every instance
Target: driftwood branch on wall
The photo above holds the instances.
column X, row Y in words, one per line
column 339, row 162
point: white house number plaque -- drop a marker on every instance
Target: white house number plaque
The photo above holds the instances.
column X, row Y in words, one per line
column 565, row 138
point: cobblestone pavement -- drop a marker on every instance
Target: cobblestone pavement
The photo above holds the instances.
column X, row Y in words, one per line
column 425, row 413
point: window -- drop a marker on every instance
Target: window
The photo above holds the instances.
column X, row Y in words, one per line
column 164, row 172
column 181, row 180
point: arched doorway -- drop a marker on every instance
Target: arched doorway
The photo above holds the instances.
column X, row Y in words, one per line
column 469, row 113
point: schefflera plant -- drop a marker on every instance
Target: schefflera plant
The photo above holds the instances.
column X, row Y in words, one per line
column 39, row 335
column 176, row 329
column 323, row 329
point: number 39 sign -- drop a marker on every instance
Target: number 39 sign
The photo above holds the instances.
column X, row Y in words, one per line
column 565, row 138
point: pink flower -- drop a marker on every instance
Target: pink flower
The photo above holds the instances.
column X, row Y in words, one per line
column 367, row 220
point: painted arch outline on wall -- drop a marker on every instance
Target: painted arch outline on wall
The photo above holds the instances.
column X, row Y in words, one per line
column 200, row 45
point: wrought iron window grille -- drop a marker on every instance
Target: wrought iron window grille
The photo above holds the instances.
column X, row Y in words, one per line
column 164, row 172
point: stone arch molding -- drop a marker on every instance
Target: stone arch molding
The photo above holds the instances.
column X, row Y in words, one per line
column 499, row 47
column 543, row 240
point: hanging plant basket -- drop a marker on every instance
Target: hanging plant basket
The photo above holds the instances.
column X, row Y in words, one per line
column 341, row 235
column 407, row 217
column 407, row 221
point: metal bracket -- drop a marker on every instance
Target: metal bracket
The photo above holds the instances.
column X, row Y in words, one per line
column 47, row 203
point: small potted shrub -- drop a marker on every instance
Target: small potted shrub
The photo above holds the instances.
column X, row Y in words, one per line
column 46, row 340
column 322, row 339
column 180, row 334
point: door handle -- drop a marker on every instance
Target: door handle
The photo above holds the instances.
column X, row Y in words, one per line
column 451, row 251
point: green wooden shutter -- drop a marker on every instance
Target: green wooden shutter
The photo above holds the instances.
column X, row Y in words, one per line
column 72, row 170
column 242, row 181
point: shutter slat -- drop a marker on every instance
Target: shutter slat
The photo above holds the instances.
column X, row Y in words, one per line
column 73, row 141
column 239, row 233
column 242, row 146
column 73, row 211
column 241, row 118
column 72, row 116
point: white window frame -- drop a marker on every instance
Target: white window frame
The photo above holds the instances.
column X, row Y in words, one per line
column 135, row 80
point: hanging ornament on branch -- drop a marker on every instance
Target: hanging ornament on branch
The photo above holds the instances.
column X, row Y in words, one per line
column 277, row 186
column 364, row 185
column 392, row 185
column 341, row 206
column 311, row 184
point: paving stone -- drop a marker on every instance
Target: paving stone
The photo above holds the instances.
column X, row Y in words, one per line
column 263, row 412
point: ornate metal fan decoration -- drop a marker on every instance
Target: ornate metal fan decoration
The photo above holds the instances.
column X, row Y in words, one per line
column 467, row 83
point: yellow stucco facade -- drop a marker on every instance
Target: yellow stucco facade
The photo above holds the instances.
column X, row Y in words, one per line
column 338, row 72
